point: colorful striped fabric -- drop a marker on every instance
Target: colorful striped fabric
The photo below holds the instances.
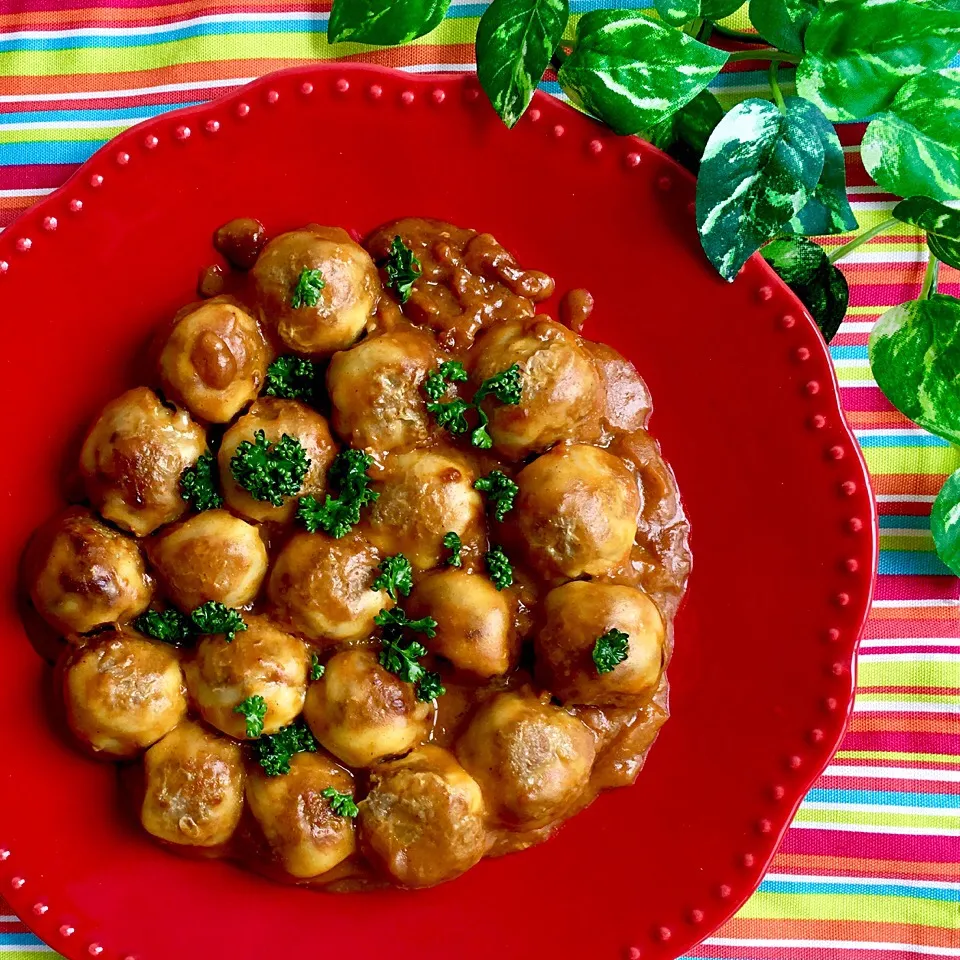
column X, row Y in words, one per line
column 870, row 870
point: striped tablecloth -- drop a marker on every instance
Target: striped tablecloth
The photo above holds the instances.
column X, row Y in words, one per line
column 870, row 869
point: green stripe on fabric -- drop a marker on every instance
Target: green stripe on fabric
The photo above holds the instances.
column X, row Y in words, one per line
column 850, row 906
column 877, row 819
column 916, row 673
column 867, row 697
column 897, row 755
column 59, row 136
column 918, row 543
column 925, row 460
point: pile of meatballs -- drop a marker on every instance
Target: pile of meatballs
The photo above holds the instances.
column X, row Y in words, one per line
column 386, row 787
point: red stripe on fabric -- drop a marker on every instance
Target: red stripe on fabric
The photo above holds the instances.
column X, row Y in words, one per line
column 909, row 626
column 861, row 866
column 895, row 587
column 886, row 846
column 883, row 784
column 901, row 741
column 35, row 177
column 780, row 928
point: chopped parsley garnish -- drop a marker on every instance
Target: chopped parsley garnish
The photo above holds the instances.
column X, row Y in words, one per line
column 253, row 710
column 451, row 415
column 215, row 617
column 306, row 291
column 338, row 515
column 499, row 568
column 402, row 657
column 340, row 803
column 453, row 542
column 317, row 669
column 396, row 576
column 402, row 268
column 610, row 650
column 169, row 625
column 501, row 491
column 292, row 378
column 506, row 386
column 270, row 471
column 198, row 484
column 451, row 371
column 274, row 751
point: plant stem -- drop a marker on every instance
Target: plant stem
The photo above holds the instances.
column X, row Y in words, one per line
column 764, row 53
column 741, row 35
column 775, row 87
column 693, row 27
column 929, row 284
column 706, row 31
column 841, row 252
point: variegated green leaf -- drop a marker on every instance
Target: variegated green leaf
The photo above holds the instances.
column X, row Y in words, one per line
column 914, row 148
column 782, row 22
column 515, row 41
column 677, row 12
column 759, row 170
column 684, row 135
column 819, row 285
column 941, row 223
column 384, row 21
column 915, row 358
column 858, row 53
column 828, row 210
column 718, row 9
column 945, row 523
column 632, row 72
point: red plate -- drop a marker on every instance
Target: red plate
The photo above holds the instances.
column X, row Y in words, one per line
column 784, row 531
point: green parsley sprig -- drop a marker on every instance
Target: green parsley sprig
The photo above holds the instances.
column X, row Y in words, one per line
column 306, row 291
column 214, row 617
column 317, row 669
column 403, row 269
column 501, row 492
column 274, row 751
column 337, row 516
column 270, row 471
column 610, row 650
column 450, row 371
column 292, row 378
column 170, row 626
column 453, row 542
column 342, row 804
column 253, row 710
column 198, row 484
column 499, row 567
column 396, row 577
column 402, row 656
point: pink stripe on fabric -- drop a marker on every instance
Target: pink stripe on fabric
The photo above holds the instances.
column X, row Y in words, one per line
column 926, row 848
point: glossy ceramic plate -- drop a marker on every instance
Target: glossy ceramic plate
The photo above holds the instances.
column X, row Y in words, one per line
column 746, row 410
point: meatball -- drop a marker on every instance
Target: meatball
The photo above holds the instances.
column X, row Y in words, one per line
column 276, row 418
column 531, row 759
column 561, row 397
column 212, row 556
column 82, row 574
column 123, row 693
column 132, row 459
column 423, row 820
column 376, row 391
column 306, row 836
column 577, row 615
column 213, row 360
column 261, row 661
column 361, row 712
column 474, row 622
column 347, row 300
column 194, row 787
column 323, row 587
column 577, row 511
column 423, row 495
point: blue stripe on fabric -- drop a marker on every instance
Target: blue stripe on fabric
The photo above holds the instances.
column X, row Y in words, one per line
column 106, row 116
column 849, row 352
column 835, row 886
column 908, row 440
column 49, row 151
column 892, row 798
column 912, row 563
column 19, row 940
column 912, row 523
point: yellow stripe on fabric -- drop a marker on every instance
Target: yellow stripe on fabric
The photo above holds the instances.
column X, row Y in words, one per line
column 899, row 673
column 909, row 459
column 850, row 906
column 921, row 543
column 877, row 818
column 897, row 755
column 57, row 136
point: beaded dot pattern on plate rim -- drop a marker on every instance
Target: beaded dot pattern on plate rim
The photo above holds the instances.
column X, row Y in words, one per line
column 210, row 117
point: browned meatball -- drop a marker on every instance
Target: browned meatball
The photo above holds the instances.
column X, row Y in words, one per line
column 474, row 621
column 261, row 661
column 212, row 556
column 577, row 511
column 213, row 360
column 132, row 459
column 324, row 587
column 422, row 821
column 532, row 760
column 377, row 394
column 306, row 836
column 123, row 693
column 347, row 300
column 82, row 574
column 194, row 787
column 423, row 495
column 561, row 397
column 276, row 418
column 361, row 712
column 577, row 615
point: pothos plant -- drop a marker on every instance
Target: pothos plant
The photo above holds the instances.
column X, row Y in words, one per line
column 771, row 171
